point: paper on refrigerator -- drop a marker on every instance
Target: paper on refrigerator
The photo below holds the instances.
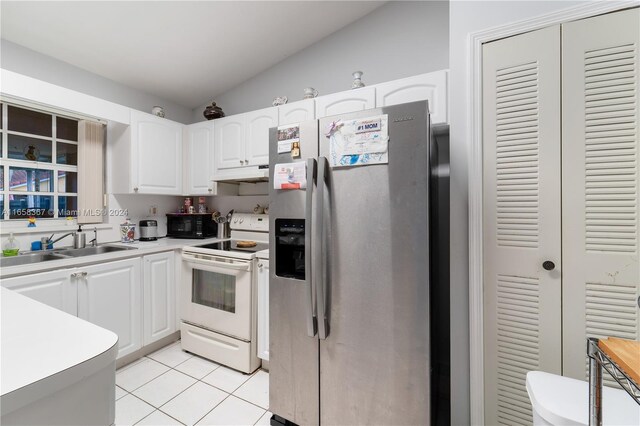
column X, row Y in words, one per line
column 290, row 175
column 359, row 142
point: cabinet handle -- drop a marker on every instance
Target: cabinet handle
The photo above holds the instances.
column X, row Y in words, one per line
column 548, row 265
column 79, row 275
column 260, row 265
column 210, row 189
column 241, row 161
column 135, row 189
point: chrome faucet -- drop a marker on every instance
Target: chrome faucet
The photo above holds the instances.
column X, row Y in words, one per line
column 46, row 241
column 94, row 242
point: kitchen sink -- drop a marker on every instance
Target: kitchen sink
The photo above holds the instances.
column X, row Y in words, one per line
column 26, row 259
column 88, row 251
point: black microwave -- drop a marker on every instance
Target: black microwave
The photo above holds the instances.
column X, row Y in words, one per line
column 191, row 225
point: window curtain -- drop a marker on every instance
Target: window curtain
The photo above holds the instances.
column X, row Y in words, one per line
column 90, row 171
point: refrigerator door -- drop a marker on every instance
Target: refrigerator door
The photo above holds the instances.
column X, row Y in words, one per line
column 293, row 344
column 374, row 360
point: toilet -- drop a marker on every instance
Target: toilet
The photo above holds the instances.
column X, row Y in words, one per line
column 558, row 400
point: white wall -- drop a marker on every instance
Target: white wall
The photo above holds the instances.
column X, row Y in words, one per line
column 397, row 40
column 468, row 17
column 28, row 62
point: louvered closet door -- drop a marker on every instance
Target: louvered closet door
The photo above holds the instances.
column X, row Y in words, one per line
column 521, row 140
column 600, row 182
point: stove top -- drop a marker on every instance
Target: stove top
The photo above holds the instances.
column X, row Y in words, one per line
column 232, row 246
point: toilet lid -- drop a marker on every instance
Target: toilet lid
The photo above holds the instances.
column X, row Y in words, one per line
column 565, row 401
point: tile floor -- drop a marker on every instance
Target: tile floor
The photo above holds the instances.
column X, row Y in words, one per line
column 173, row 387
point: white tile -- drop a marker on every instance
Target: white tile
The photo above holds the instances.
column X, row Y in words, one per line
column 233, row 411
column 192, row 404
column 120, row 393
column 163, row 388
column 197, row 367
column 226, row 379
column 130, row 410
column 255, row 390
column 136, row 375
column 171, row 355
column 265, row 420
column 158, row 418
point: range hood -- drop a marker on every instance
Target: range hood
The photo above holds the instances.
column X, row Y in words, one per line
column 249, row 174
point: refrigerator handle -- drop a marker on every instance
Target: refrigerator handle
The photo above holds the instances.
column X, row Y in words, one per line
column 320, row 252
column 312, row 322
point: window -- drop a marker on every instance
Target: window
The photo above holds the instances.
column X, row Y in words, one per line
column 39, row 164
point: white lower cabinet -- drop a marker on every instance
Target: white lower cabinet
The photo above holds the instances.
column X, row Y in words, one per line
column 159, row 296
column 110, row 295
column 263, row 309
column 54, row 289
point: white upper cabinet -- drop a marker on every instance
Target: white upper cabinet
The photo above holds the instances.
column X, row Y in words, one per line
column 345, row 102
column 257, row 124
column 198, row 165
column 146, row 156
column 297, row 112
column 431, row 87
column 156, row 154
column 229, row 142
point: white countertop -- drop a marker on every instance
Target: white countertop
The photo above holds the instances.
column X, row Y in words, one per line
column 39, row 341
column 142, row 248
column 264, row 254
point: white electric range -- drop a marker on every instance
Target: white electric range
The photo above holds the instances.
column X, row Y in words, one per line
column 219, row 295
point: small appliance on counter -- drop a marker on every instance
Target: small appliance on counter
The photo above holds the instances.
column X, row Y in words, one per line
column 191, row 225
column 148, row 230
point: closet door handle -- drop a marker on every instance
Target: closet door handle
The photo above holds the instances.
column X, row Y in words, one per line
column 548, row 265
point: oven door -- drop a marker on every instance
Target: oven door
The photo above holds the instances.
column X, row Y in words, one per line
column 217, row 294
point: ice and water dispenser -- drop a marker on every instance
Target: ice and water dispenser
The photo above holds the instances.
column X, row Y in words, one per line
column 290, row 248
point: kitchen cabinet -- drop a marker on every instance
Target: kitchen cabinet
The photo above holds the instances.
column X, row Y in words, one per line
column 159, row 296
column 242, row 142
column 431, row 87
column 54, row 289
column 146, row 156
column 297, row 112
column 109, row 295
column 263, row 309
column 257, row 124
column 198, row 164
column 345, row 102
column 229, row 142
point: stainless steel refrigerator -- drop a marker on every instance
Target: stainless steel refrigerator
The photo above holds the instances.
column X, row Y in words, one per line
column 349, row 296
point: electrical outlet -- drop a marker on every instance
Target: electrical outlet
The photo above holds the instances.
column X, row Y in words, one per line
column 153, row 210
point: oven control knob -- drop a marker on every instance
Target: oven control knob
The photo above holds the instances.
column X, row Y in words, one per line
column 241, row 220
column 235, row 220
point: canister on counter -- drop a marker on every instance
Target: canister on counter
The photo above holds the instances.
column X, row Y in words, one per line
column 202, row 205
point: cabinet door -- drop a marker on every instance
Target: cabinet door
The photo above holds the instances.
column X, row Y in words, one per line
column 263, row 309
column 344, row 102
column 55, row 289
column 156, row 154
column 521, row 230
column 257, row 136
column 431, row 87
column 109, row 295
column 159, row 295
column 198, row 166
column 229, row 142
column 601, row 223
column 297, row 112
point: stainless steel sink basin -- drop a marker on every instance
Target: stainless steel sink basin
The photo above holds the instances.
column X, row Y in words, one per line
column 88, row 251
column 26, row 259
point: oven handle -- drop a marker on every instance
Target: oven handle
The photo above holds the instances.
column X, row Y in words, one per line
column 203, row 259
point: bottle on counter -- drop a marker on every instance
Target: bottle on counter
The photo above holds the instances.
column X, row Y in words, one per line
column 11, row 247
